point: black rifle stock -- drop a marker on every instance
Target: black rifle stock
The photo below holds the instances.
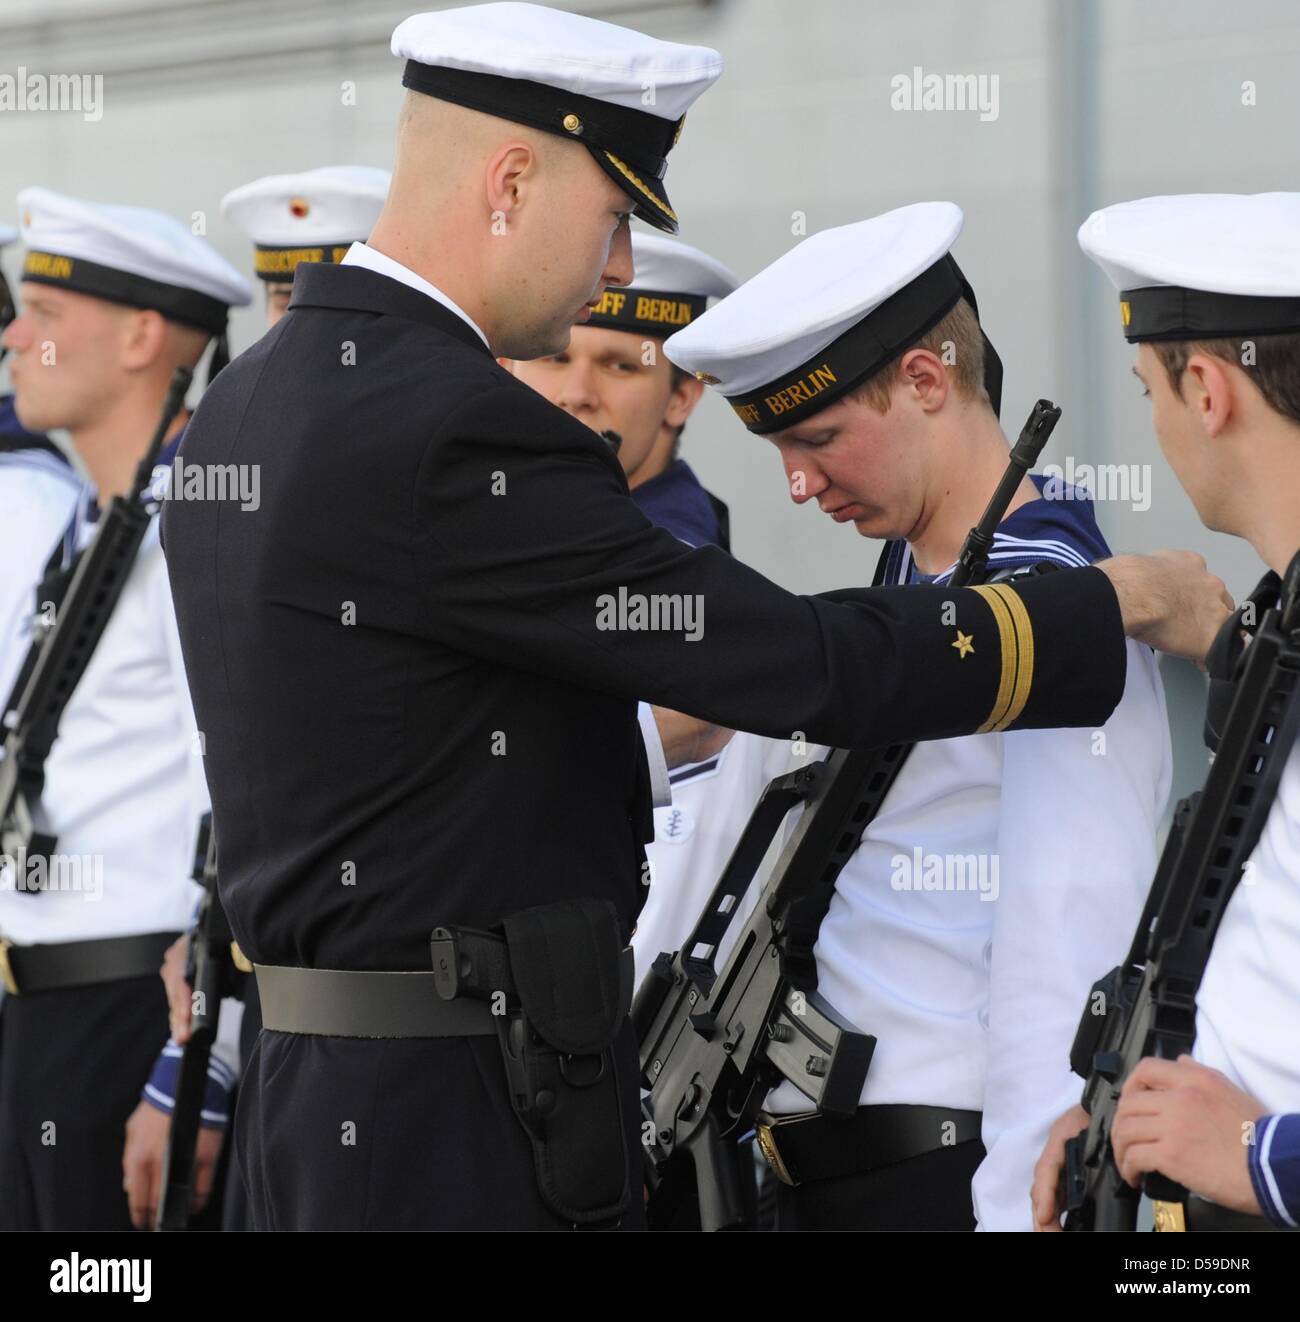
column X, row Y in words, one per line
column 57, row 660
column 713, row 1044
column 1147, row 1005
column 212, row 975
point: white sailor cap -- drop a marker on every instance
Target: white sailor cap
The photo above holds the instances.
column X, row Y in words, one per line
column 672, row 285
column 829, row 314
column 128, row 255
column 621, row 94
column 1201, row 265
column 314, row 216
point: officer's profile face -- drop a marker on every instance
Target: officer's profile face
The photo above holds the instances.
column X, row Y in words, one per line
column 565, row 239
column 861, row 466
column 277, row 301
column 68, row 356
column 617, row 381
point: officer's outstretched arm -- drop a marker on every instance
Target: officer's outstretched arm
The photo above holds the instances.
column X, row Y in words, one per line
column 566, row 577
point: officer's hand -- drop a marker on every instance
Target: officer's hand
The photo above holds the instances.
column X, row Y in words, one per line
column 1169, row 600
column 179, row 993
column 142, row 1162
column 1047, row 1195
column 1191, row 1124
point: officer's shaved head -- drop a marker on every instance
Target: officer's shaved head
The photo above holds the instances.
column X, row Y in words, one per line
column 519, row 227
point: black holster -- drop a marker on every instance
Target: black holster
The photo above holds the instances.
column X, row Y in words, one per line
column 560, row 982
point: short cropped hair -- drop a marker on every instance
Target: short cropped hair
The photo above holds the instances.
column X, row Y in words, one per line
column 957, row 340
column 1271, row 361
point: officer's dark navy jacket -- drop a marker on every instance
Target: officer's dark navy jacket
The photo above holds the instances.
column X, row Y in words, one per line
column 411, row 714
column 676, row 500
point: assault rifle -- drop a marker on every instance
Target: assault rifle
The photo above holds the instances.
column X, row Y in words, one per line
column 1147, row 1006
column 212, row 974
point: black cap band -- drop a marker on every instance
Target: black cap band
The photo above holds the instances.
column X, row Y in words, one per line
column 277, row 265
column 642, row 139
column 136, row 291
column 1169, row 312
column 649, row 311
column 864, row 349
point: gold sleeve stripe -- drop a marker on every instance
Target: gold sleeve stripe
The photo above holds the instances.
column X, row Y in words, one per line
column 1025, row 648
column 1010, row 655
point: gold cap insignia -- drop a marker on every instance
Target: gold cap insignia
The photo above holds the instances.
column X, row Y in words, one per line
column 1125, row 311
column 299, row 206
column 572, row 123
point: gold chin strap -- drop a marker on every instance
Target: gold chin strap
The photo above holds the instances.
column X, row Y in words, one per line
column 1169, row 1216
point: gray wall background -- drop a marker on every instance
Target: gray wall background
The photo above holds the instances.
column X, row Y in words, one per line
column 1098, row 102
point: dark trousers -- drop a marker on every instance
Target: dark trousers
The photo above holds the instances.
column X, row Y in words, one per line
column 72, row 1064
column 340, row 1133
column 929, row 1192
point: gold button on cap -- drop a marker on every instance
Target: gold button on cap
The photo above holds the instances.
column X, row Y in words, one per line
column 572, row 123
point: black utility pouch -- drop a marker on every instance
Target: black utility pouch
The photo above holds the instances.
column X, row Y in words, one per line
column 561, row 986
column 573, row 981
column 574, row 986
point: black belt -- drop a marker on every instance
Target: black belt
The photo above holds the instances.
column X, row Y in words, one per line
column 814, row 1146
column 350, row 1003
column 1198, row 1215
column 40, row 968
column 353, row 1003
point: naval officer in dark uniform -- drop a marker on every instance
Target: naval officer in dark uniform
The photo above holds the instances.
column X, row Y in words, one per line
column 417, row 667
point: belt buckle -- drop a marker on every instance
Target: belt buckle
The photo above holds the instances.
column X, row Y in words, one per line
column 1169, row 1216
column 763, row 1133
column 7, row 968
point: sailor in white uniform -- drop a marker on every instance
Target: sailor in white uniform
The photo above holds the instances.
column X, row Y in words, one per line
column 38, row 490
column 1003, row 866
column 123, row 296
column 1209, row 290
column 614, row 377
